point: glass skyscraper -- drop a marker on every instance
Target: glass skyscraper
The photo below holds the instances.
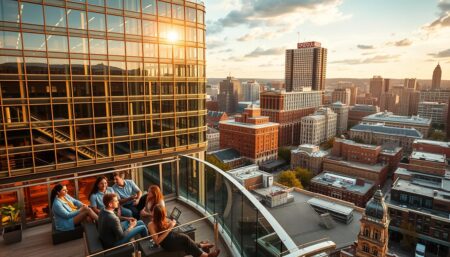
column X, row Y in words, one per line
column 93, row 84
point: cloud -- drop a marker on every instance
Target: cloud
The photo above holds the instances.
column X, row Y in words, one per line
column 261, row 52
column 375, row 59
column 441, row 54
column 403, row 42
column 444, row 17
column 265, row 12
column 365, row 47
column 253, row 35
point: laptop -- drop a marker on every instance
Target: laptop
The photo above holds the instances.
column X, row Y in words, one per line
column 175, row 214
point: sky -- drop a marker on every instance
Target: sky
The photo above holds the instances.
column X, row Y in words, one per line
column 391, row 38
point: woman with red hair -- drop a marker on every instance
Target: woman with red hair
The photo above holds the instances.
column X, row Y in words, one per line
column 154, row 197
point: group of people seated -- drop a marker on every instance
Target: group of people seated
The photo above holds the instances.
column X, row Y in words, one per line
column 122, row 213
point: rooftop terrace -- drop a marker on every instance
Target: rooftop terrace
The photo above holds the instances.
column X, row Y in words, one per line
column 37, row 241
column 303, row 223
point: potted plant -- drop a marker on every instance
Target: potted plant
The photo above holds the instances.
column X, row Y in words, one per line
column 12, row 227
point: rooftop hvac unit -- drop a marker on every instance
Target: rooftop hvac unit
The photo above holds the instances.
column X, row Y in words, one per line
column 267, row 180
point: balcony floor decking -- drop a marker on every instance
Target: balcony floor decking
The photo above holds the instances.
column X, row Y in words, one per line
column 36, row 241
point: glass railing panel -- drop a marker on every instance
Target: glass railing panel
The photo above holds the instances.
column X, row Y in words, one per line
column 248, row 225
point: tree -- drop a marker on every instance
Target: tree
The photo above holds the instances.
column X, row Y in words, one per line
column 285, row 154
column 304, row 176
column 289, row 179
column 437, row 135
column 328, row 144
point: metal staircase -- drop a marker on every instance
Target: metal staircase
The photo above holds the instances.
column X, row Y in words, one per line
column 62, row 137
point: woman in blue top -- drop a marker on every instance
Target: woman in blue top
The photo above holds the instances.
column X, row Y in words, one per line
column 67, row 210
column 96, row 197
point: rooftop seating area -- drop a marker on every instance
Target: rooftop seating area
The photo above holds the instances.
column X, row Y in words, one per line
column 200, row 190
column 37, row 241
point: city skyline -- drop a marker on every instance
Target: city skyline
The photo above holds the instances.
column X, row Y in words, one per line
column 249, row 38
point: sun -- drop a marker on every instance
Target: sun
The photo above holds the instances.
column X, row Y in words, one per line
column 172, row 36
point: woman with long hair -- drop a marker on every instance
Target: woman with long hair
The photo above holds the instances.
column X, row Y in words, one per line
column 154, row 197
column 67, row 210
column 96, row 197
column 174, row 241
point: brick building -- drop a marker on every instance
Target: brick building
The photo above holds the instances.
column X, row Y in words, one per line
column 376, row 173
column 348, row 188
column 373, row 238
column 309, row 157
column 349, row 150
column 213, row 118
column 431, row 146
column 359, row 111
column 251, row 134
column 287, row 109
column 428, row 163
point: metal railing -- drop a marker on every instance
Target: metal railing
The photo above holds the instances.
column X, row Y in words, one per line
column 150, row 237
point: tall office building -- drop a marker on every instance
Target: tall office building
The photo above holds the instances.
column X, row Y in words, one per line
column 410, row 83
column 387, row 85
column 250, row 91
column 342, row 95
column 287, row 109
column 437, row 74
column 377, row 87
column 341, row 111
column 88, row 87
column 306, row 67
column 229, row 95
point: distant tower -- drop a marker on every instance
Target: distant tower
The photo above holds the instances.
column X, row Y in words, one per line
column 373, row 235
column 376, row 87
column 437, row 74
column 306, row 67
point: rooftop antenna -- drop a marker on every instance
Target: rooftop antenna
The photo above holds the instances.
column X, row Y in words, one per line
column 298, row 37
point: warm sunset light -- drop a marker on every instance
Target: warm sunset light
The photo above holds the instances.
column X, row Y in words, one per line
column 172, row 36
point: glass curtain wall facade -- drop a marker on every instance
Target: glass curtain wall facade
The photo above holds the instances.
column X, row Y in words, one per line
column 86, row 82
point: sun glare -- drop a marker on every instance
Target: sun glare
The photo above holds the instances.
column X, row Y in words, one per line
column 172, row 36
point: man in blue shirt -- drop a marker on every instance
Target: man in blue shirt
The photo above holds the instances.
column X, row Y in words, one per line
column 128, row 192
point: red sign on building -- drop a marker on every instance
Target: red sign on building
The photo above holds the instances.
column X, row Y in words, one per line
column 308, row 44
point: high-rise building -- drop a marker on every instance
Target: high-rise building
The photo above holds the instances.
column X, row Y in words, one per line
column 251, row 134
column 229, row 95
column 250, row 91
column 318, row 127
column 436, row 80
column 342, row 95
column 353, row 95
column 408, row 100
column 341, row 111
column 387, row 85
column 84, row 88
column 287, row 109
column 436, row 112
column 377, row 86
column 410, row 83
column 440, row 96
column 306, row 67
column 389, row 102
